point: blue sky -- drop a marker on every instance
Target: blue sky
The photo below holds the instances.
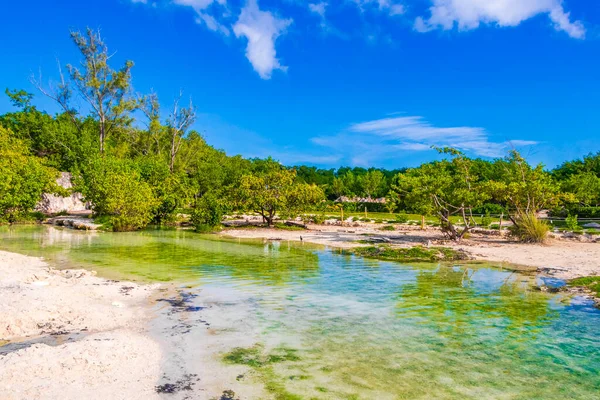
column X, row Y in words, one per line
column 343, row 82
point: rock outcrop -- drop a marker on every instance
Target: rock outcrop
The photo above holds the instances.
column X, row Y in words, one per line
column 52, row 204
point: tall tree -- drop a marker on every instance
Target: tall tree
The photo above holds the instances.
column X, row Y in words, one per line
column 272, row 188
column 180, row 120
column 372, row 183
column 107, row 91
column 521, row 188
column 446, row 188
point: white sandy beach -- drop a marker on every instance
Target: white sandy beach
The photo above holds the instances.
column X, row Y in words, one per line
column 113, row 357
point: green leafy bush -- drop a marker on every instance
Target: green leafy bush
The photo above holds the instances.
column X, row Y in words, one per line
column 571, row 223
column 388, row 228
column 208, row 213
column 486, row 220
column 168, row 188
column 116, row 190
column 402, row 218
column 318, row 218
column 530, row 229
column 23, row 178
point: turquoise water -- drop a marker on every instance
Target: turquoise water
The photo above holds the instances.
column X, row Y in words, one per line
column 358, row 329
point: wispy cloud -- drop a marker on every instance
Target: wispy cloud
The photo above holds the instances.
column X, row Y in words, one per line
column 203, row 16
column 318, row 8
column 386, row 6
column 366, row 142
column 470, row 14
column 261, row 29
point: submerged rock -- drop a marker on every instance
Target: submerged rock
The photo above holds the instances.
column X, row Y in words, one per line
column 75, row 222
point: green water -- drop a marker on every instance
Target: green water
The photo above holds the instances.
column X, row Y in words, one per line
column 357, row 329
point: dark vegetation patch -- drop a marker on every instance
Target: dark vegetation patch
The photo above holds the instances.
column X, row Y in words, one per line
column 262, row 362
column 183, row 303
column 412, row 254
column 255, row 356
column 185, row 384
column 227, row 395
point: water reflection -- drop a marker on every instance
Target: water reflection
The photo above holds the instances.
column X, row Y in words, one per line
column 363, row 329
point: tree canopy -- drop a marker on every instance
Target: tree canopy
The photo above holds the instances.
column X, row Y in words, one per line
column 138, row 165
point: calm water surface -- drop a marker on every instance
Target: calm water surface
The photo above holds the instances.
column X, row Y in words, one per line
column 358, row 329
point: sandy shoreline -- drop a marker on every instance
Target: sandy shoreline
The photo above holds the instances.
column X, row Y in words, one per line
column 105, row 351
column 562, row 258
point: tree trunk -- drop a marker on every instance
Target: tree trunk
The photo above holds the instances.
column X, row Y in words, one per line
column 102, row 133
column 269, row 220
column 172, row 162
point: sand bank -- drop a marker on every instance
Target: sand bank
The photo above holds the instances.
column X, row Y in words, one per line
column 80, row 336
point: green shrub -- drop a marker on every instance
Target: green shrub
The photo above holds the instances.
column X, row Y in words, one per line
column 285, row 227
column 167, row 188
column 489, row 208
column 486, row 220
column 402, row 218
column 23, row 178
column 318, row 218
column 530, row 229
column 571, row 223
column 208, row 213
column 116, row 191
column 388, row 228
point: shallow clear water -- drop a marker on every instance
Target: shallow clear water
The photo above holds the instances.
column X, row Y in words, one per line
column 361, row 329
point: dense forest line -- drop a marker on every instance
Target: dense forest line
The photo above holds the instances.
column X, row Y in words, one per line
column 138, row 165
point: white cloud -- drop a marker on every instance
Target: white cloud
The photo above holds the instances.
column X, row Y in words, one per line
column 386, row 6
column 261, row 29
column 203, row 16
column 384, row 138
column 196, row 4
column 318, row 8
column 212, row 24
column 470, row 14
column 397, row 9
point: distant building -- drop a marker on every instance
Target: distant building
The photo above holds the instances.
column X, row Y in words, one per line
column 345, row 199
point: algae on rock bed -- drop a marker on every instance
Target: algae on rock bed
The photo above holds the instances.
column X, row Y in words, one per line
column 412, row 254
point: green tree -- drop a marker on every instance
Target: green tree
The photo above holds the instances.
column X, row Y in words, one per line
column 338, row 188
column 117, row 191
column 170, row 190
column 55, row 139
column 446, row 189
column 23, row 178
column 372, row 183
column 523, row 191
column 585, row 186
column 208, row 213
column 106, row 91
column 521, row 188
column 272, row 188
